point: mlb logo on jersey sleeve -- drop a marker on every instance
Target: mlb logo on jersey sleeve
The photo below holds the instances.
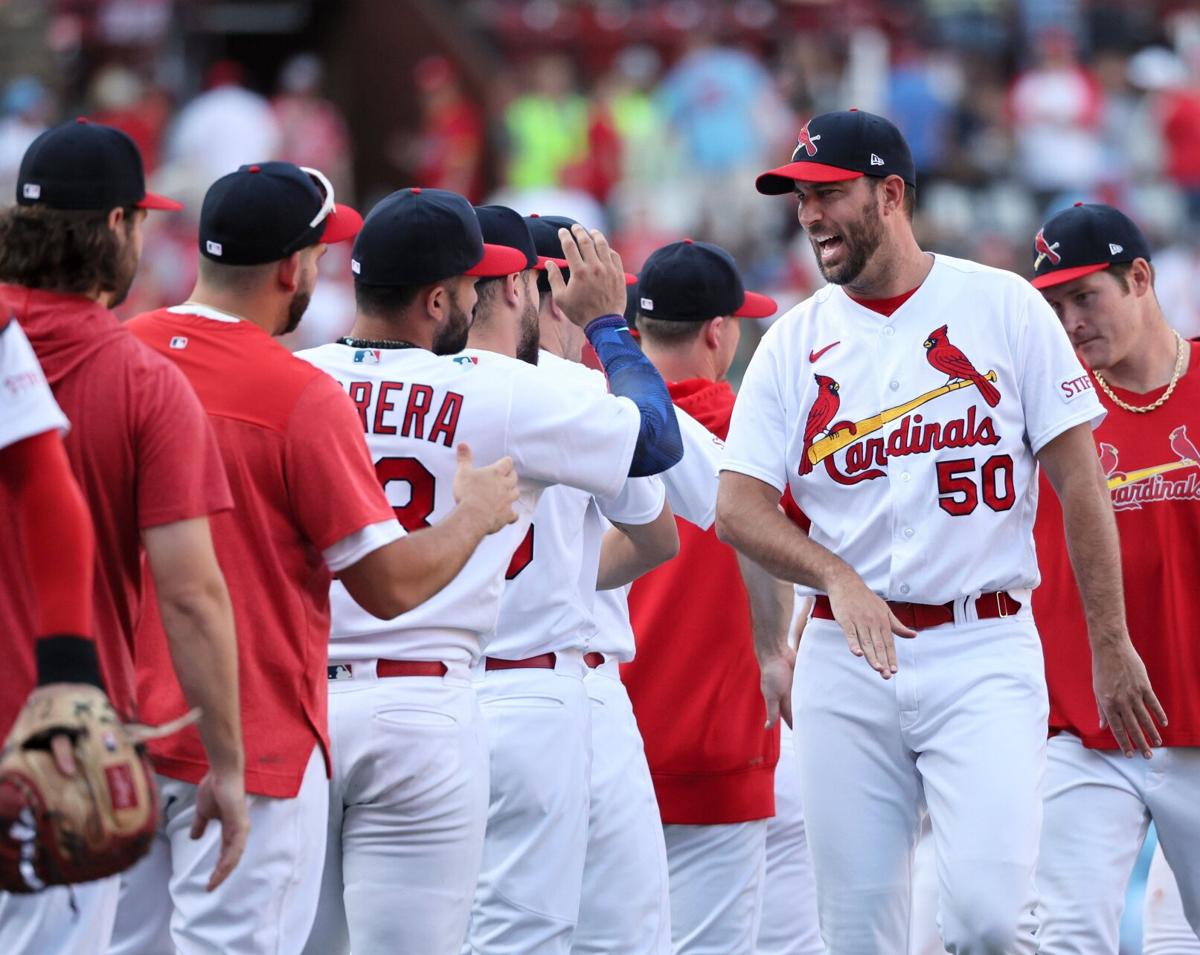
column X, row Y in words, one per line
column 367, row 356
column 179, row 341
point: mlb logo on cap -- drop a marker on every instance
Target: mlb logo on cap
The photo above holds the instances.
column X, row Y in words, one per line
column 212, row 248
column 31, row 190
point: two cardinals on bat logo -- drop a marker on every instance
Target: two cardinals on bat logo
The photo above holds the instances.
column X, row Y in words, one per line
column 941, row 354
column 1135, row 489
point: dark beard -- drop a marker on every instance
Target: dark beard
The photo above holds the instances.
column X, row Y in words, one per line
column 451, row 338
column 127, row 266
column 296, row 309
column 861, row 242
column 530, row 339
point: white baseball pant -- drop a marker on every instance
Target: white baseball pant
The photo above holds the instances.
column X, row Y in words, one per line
column 625, row 905
column 76, row 919
column 539, row 736
column 960, row 728
column 1165, row 929
column 407, row 806
column 716, row 882
column 789, row 910
column 924, row 938
column 266, row 904
column 1099, row 804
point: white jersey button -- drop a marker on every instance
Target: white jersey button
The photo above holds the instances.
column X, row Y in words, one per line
column 904, row 588
column 889, row 331
column 905, row 476
column 894, row 385
column 908, row 532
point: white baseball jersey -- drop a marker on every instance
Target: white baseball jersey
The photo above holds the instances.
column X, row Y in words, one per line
column 910, row 473
column 27, row 406
column 547, row 602
column 416, row 407
column 691, row 489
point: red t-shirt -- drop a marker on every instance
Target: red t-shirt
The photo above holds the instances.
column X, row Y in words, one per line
column 302, row 481
column 143, row 454
column 695, row 681
column 1151, row 460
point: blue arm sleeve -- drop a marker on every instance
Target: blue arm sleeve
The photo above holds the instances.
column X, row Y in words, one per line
column 630, row 375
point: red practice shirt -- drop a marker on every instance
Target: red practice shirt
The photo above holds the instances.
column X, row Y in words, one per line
column 143, row 454
column 695, row 681
column 1154, row 477
column 302, row 481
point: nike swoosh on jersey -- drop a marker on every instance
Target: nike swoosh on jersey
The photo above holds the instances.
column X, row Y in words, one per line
column 814, row 355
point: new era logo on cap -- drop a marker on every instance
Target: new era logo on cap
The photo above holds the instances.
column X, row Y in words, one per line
column 875, row 160
column 1115, row 249
column 212, row 248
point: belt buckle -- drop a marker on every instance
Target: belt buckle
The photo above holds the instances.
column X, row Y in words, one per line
column 1000, row 609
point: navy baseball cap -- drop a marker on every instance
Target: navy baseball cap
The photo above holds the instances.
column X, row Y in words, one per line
column 81, row 166
column 544, row 230
column 1083, row 239
column 847, row 144
column 694, row 281
column 420, row 236
column 501, row 225
column 264, row 212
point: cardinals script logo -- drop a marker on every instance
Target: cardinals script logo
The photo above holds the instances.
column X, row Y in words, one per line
column 866, row 455
column 1132, row 490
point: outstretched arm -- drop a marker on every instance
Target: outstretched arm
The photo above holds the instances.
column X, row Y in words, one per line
column 1124, row 696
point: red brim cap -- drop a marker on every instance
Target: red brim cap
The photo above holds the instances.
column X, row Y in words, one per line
column 1062, row 276
column 782, row 180
column 498, row 260
column 341, row 224
column 757, row 306
column 153, row 200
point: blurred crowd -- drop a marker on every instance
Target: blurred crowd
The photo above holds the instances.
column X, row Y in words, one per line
column 1013, row 108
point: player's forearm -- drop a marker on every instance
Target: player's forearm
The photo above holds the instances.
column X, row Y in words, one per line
column 770, row 608
column 198, row 621
column 422, row 563
column 1091, row 532
column 630, row 550
column 631, row 375
column 749, row 519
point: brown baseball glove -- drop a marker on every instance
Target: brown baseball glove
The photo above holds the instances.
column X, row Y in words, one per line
column 93, row 820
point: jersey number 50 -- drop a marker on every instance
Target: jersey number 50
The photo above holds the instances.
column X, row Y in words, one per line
column 957, row 491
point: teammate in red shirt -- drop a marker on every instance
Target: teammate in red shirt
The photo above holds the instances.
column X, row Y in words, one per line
column 1093, row 266
column 309, row 505
column 145, row 458
column 695, row 657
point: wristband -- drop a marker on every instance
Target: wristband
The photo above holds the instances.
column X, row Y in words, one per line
column 66, row 658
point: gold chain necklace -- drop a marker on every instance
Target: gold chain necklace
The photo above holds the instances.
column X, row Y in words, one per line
column 1180, row 352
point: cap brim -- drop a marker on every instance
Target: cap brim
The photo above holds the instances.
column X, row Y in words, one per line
column 544, row 259
column 630, row 278
column 1062, row 276
column 498, row 260
column 153, row 200
column 782, row 179
column 341, row 224
column 757, row 305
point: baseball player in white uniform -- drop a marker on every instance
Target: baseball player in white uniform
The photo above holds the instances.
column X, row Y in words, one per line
column 530, row 681
column 907, row 406
column 410, row 780
column 625, row 905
